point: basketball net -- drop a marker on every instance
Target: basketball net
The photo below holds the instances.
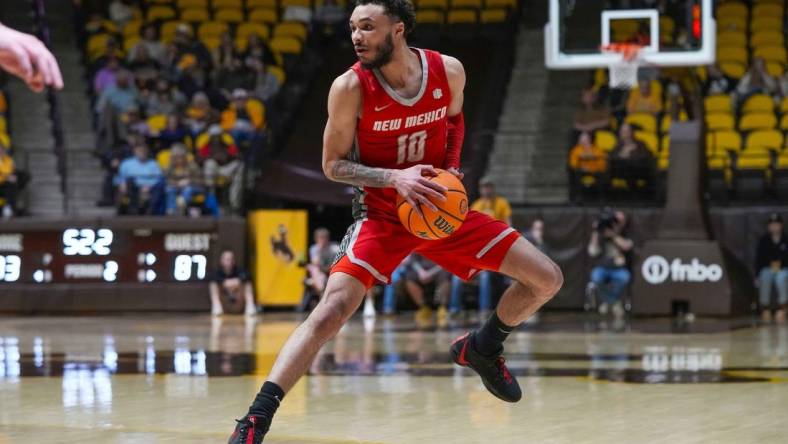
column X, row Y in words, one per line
column 624, row 73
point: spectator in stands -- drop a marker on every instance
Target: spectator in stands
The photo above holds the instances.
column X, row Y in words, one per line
column 144, row 67
column 266, row 84
column 630, row 159
column 296, row 13
column 490, row 203
column 610, row 245
column 717, row 82
column 107, row 76
column 199, row 113
column 643, row 100
column 9, row 185
column 771, row 266
column 184, row 180
column 330, row 18
column 134, row 124
column 592, row 115
column 122, row 11
column 756, row 80
column 259, row 49
column 224, row 54
column 321, row 256
column 174, row 132
column 150, row 44
column 232, row 285
column 421, row 275
column 232, row 76
column 186, row 44
column 221, row 162
column 121, row 96
column 675, row 102
column 141, row 181
column 189, row 80
column 164, row 99
column 586, row 157
column 244, row 116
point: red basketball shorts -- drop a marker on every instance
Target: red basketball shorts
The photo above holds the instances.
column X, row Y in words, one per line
column 373, row 248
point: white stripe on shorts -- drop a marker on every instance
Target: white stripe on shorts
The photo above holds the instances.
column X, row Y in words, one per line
column 492, row 243
column 361, row 262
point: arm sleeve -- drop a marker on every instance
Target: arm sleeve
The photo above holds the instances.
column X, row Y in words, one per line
column 454, row 140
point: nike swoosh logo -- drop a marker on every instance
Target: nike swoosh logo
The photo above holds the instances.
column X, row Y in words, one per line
column 381, row 108
column 461, row 359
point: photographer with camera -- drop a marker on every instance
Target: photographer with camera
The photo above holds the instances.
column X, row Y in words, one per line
column 611, row 276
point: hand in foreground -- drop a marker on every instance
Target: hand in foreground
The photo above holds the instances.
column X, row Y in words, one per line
column 26, row 57
column 413, row 185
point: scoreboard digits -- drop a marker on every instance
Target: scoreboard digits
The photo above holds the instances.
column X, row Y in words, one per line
column 10, row 268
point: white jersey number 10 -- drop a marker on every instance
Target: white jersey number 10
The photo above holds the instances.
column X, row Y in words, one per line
column 410, row 147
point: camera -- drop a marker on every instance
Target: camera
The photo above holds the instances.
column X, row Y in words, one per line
column 606, row 220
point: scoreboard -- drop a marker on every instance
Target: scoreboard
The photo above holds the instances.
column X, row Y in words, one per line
column 114, row 254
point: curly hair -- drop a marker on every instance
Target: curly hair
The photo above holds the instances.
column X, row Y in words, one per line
column 401, row 10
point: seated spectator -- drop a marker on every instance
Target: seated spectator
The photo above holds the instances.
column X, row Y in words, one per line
column 122, row 12
column 756, row 80
column 226, row 51
column 330, row 18
column 121, row 96
column 643, row 100
column 591, row 116
column 9, row 183
column 422, row 275
column 141, row 181
column 174, row 132
column 771, row 266
column 491, row 204
column 106, row 76
column 257, row 48
column 186, row 44
column 266, row 84
column 222, row 165
column 610, row 245
column 244, row 116
column 630, row 159
column 231, row 286
column 184, row 180
column 144, row 67
column 190, row 80
column 164, row 99
column 717, row 82
column 199, row 113
column 232, row 76
column 150, row 44
column 134, row 124
column 586, row 157
column 321, row 257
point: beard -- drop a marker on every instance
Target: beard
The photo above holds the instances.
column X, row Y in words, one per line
column 383, row 57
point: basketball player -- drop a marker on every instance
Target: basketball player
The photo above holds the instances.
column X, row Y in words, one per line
column 26, row 57
column 393, row 119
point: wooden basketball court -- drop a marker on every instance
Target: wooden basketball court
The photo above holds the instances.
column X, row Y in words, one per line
column 183, row 379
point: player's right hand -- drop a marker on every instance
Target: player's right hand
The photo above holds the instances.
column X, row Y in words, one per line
column 26, row 57
column 413, row 185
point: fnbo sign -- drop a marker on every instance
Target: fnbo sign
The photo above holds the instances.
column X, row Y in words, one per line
column 658, row 270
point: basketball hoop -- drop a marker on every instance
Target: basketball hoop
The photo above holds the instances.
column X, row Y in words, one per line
column 624, row 73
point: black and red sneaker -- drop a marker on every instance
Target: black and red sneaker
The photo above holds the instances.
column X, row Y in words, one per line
column 495, row 375
column 250, row 430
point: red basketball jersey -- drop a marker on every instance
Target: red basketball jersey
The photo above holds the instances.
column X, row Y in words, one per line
column 397, row 132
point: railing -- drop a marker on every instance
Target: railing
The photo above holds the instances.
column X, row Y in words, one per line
column 43, row 32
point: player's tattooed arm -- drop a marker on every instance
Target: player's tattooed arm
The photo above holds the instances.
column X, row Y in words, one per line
column 353, row 173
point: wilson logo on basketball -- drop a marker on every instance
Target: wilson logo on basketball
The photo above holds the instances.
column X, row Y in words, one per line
column 443, row 225
column 463, row 206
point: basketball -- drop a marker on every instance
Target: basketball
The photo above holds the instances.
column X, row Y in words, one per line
column 437, row 224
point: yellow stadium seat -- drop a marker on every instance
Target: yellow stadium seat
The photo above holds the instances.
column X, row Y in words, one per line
column 737, row 54
column 211, row 29
column 265, row 15
column 733, row 69
column 771, row 53
column 461, row 17
column 666, row 25
column 132, row 28
column 509, row 4
column 732, row 38
column 157, row 122
column 286, row 45
column 717, row 104
column 732, row 23
column 605, row 140
column 766, row 23
column 97, row 45
column 160, row 13
column 279, row 73
column 732, row 9
column 472, row 4
column 434, row 4
column 754, row 121
column 219, row 4
column 186, row 4
column 644, row 121
column 775, row 69
column 342, row 3
column 163, row 159
column 229, row 15
column 665, row 148
column 768, row 10
column 758, row 103
column 784, row 122
column 267, row 4
column 755, row 161
column 167, row 30
column 429, row 16
column 211, row 42
column 764, row 139
column 195, row 15
column 304, row 3
column 767, row 38
column 129, row 42
column 725, row 141
column 649, row 139
column 244, row 30
column 290, row 29
column 498, row 15
column 719, row 121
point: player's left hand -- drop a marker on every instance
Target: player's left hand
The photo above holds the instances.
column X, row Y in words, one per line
column 456, row 172
column 26, row 57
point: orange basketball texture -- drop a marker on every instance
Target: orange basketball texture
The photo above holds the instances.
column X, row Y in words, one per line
column 437, row 224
